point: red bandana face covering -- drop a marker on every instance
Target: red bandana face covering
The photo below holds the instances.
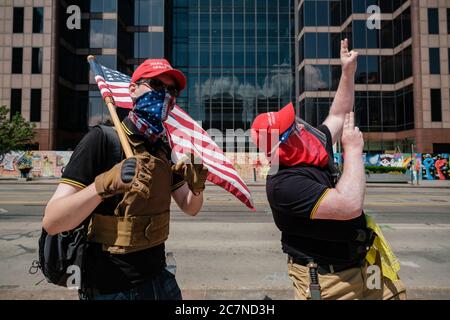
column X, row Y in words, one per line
column 303, row 144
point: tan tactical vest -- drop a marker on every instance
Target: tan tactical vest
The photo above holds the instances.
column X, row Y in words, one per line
column 137, row 223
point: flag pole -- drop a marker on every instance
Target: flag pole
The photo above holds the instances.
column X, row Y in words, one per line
column 117, row 124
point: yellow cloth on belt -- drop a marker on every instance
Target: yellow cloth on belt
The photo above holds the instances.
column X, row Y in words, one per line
column 389, row 262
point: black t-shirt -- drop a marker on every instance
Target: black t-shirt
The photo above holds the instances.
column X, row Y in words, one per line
column 105, row 271
column 294, row 194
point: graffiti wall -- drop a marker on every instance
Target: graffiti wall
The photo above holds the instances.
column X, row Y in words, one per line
column 435, row 166
column 429, row 166
column 249, row 168
column 46, row 164
column 49, row 164
column 398, row 160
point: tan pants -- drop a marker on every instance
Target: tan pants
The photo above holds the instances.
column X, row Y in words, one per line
column 349, row 284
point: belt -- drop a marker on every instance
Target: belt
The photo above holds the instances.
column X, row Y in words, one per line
column 325, row 268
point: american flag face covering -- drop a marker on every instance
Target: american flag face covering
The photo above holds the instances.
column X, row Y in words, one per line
column 150, row 111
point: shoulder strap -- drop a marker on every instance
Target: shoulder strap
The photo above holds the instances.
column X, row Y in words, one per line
column 114, row 144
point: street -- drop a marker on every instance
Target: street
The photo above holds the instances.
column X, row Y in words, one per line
column 230, row 252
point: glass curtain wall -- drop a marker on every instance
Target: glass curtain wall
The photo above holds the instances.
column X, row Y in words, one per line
column 238, row 57
column 321, row 26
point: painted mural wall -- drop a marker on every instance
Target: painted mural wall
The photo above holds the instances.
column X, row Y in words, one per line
column 435, row 166
column 429, row 166
column 50, row 164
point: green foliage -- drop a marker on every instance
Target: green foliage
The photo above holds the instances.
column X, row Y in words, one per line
column 15, row 134
column 392, row 170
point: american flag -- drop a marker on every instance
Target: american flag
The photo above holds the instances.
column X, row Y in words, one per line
column 184, row 134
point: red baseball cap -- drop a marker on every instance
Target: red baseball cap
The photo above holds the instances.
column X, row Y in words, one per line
column 267, row 122
column 151, row 68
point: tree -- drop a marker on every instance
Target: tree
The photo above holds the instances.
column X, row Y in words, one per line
column 15, row 134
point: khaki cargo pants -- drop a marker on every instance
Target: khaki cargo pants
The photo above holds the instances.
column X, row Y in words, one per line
column 349, row 284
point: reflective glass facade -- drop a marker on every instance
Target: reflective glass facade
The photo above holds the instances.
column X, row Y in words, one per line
column 121, row 34
column 241, row 58
column 238, row 57
column 384, row 91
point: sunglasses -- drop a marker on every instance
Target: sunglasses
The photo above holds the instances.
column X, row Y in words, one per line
column 158, row 85
column 285, row 135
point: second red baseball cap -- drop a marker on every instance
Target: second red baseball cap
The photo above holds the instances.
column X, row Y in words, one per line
column 154, row 67
column 270, row 121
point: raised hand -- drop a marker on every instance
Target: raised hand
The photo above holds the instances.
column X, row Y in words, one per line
column 348, row 58
column 352, row 137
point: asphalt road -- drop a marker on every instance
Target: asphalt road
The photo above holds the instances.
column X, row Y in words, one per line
column 228, row 251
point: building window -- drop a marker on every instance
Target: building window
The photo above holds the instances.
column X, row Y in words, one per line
column 398, row 67
column 374, row 104
column 435, row 61
column 149, row 12
column 436, row 108
column 397, row 25
column 387, row 67
column 433, row 21
column 317, row 78
column 407, row 62
column 103, row 33
column 18, row 20
column 16, row 102
column 335, row 13
column 387, row 37
column 149, row 45
column 361, row 110
column 36, row 60
column 359, row 34
column 142, row 44
column 406, row 24
column 301, row 19
column 448, row 20
column 441, row 147
column 386, row 6
column 388, row 109
column 409, row 108
column 335, row 76
column 17, row 59
column 310, row 13
column 359, row 6
column 361, row 71
column 323, row 13
column 38, row 20
column 103, row 5
column 373, row 69
column 35, row 106
column 310, row 44
column 323, row 45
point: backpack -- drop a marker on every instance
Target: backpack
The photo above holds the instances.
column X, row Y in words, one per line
column 63, row 254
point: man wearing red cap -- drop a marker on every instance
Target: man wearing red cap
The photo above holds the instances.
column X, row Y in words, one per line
column 126, row 202
column 321, row 219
